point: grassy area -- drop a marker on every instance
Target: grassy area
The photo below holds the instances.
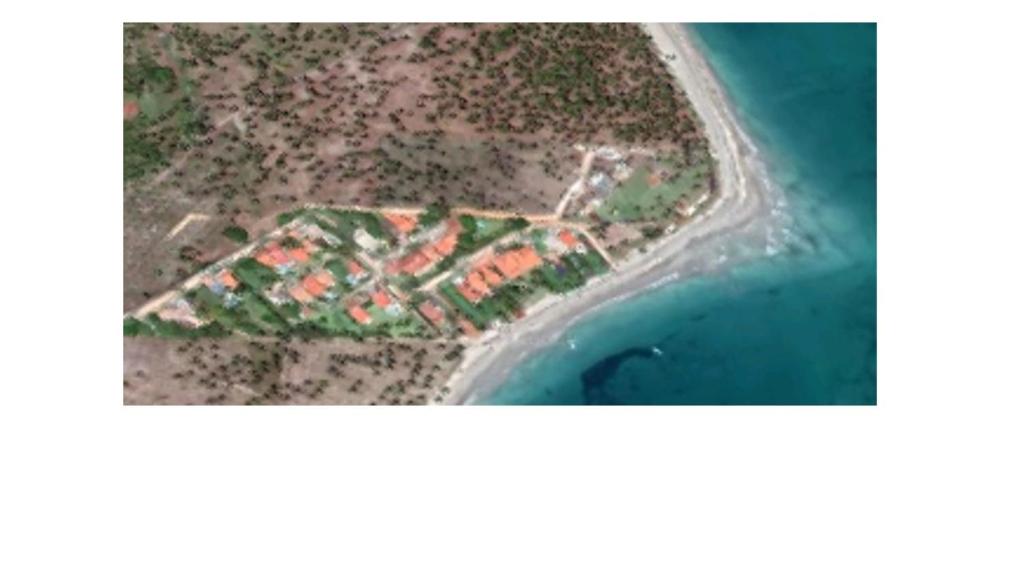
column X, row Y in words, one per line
column 478, row 316
column 254, row 275
column 636, row 200
column 342, row 223
column 339, row 269
column 333, row 320
column 432, row 215
column 154, row 326
column 479, row 232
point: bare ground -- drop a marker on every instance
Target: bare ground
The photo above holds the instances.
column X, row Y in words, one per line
column 266, row 371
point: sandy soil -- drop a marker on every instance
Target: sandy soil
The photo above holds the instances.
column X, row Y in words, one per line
column 737, row 225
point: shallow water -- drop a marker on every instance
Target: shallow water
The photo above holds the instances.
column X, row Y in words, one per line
column 795, row 328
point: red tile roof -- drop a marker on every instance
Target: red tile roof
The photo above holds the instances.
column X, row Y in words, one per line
column 514, row 263
column 490, row 276
column 354, row 268
column 380, row 299
column 325, row 277
column 432, row 312
column 446, row 245
column 403, row 223
column 299, row 254
column 359, row 315
column 228, row 279
column 272, row 255
column 411, row 264
column 300, row 294
column 568, row 239
column 313, row 286
column 473, row 287
column 468, row 328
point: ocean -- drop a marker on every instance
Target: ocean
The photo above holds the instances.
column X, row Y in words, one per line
column 798, row 327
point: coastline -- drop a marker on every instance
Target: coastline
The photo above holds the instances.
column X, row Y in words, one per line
column 741, row 215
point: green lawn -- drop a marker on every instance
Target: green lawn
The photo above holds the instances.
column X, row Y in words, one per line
column 634, row 200
column 477, row 315
column 479, row 232
column 253, row 274
column 346, row 223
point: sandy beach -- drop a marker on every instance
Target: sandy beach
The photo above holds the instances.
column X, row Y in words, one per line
column 738, row 224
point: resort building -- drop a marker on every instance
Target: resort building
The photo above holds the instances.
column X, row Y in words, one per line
column 360, row 315
column 382, row 300
column 432, row 312
column 221, row 282
column 402, row 223
column 273, row 256
column 355, row 272
column 365, row 240
column 421, row 260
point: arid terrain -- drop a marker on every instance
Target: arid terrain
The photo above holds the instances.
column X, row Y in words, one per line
column 273, row 371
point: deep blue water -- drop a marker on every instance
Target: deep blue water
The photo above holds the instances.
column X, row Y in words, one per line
column 797, row 328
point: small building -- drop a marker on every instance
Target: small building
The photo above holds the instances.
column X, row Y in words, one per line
column 473, row 287
column 432, row 312
column 468, row 329
column 515, row 263
column 299, row 254
column 360, row 315
column 355, row 272
column 300, row 294
column 365, row 240
column 221, row 282
column 273, row 256
column 402, row 223
column 600, row 183
column 567, row 239
column 381, row 299
column 317, row 284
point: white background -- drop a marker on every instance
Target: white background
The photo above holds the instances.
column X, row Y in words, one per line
column 927, row 482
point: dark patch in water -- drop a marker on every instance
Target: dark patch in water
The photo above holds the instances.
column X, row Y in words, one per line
column 698, row 317
column 597, row 376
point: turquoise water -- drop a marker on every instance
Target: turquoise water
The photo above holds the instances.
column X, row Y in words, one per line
column 796, row 328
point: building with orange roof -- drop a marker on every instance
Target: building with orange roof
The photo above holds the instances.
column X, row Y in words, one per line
column 360, row 315
column 473, row 287
column 381, row 299
column 299, row 254
column 446, row 245
column 354, row 269
column 403, row 223
column 514, row 263
column 273, row 256
column 300, row 294
column 422, row 259
column 223, row 280
column 468, row 329
column 325, row 277
column 431, row 312
column 568, row 239
column 411, row 264
column 313, row 286
column 491, row 277
column 468, row 293
column 228, row 279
